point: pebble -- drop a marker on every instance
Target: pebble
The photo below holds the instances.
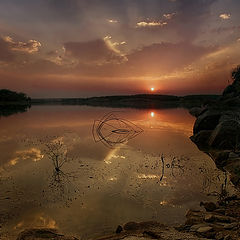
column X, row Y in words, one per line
column 204, row 229
column 209, row 218
column 195, row 227
column 230, row 226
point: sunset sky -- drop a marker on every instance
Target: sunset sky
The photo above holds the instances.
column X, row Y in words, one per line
column 79, row 48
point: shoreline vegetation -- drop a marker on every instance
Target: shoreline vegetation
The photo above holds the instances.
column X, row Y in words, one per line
column 140, row 101
column 125, row 101
column 13, row 102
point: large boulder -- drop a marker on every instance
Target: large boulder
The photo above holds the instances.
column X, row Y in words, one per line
column 232, row 102
column 226, row 135
column 229, row 91
column 207, row 121
column 201, row 139
column 197, row 111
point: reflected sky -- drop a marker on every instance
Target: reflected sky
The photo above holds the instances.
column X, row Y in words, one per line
column 150, row 177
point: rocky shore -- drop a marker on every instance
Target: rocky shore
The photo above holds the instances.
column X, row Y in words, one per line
column 217, row 129
column 215, row 221
column 220, row 221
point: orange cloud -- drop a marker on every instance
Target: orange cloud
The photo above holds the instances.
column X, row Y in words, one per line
column 112, row 21
column 169, row 16
column 31, row 46
column 225, row 16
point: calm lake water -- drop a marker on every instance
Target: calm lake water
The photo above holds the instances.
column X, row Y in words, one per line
column 156, row 175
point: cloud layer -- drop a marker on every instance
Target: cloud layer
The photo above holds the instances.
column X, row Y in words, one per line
column 92, row 47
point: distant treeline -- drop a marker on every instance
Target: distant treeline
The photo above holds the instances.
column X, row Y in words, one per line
column 12, row 102
column 135, row 101
column 10, row 96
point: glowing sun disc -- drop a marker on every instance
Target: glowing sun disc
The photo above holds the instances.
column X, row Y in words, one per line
column 152, row 89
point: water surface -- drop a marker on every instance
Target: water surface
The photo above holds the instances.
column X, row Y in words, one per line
column 156, row 175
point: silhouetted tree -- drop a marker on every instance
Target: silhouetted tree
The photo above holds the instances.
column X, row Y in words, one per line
column 233, row 89
column 13, row 102
column 8, row 96
column 236, row 74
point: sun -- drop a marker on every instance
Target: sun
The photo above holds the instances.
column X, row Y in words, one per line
column 152, row 89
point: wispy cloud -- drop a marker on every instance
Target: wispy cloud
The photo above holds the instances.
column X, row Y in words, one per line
column 169, row 16
column 95, row 52
column 151, row 24
column 112, row 21
column 225, row 16
column 30, row 46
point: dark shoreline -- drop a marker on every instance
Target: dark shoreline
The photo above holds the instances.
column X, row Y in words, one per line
column 133, row 101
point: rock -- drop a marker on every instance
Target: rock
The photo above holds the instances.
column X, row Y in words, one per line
column 194, row 217
column 230, row 225
column 41, row 234
column 229, row 115
column 220, row 158
column 217, row 128
column 220, row 235
column 207, row 121
column 130, row 238
column 201, row 139
column 224, row 219
column 151, row 234
column 229, row 92
column 119, row 229
column 209, row 218
column 225, row 135
column 149, row 224
column 220, row 211
column 234, row 169
column 231, row 102
column 196, row 111
column 195, row 227
column 209, row 206
column 233, row 198
column 130, row 226
column 204, row 229
column 232, row 156
column 228, row 237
